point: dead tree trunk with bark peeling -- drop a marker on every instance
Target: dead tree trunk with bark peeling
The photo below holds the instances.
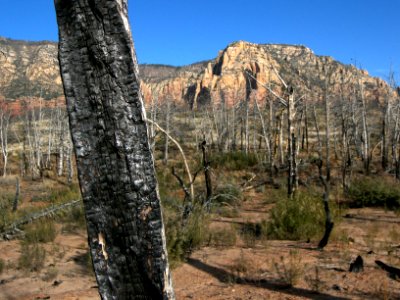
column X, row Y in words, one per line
column 115, row 164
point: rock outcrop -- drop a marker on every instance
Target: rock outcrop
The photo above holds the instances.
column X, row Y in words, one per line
column 30, row 69
column 224, row 79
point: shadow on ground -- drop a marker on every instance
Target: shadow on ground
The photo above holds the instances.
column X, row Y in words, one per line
column 225, row 277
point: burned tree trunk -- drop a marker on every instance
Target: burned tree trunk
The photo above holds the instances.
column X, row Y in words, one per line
column 207, row 173
column 115, row 164
column 16, row 198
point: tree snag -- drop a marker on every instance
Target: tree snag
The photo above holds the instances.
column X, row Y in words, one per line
column 115, row 165
column 207, row 174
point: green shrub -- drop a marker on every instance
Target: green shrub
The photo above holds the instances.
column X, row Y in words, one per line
column 374, row 192
column 32, row 257
column 77, row 215
column 183, row 239
column 223, row 237
column 59, row 195
column 2, row 265
column 299, row 218
column 42, row 232
column 5, row 209
column 66, row 194
column 290, row 271
column 73, row 219
column 89, row 263
column 251, row 232
column 227, row 194
column 234, row 160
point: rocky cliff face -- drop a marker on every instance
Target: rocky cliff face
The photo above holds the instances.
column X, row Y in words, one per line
column 30, row 69
column 224, row 80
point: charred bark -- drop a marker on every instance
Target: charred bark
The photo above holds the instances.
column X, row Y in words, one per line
column 207, row 173
column 16, row 197
column 115, row 165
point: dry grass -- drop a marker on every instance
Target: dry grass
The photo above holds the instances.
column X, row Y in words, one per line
column 290, row 270
column 223, row 237
column 32, row 257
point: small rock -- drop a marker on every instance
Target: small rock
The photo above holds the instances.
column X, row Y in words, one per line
column 57, row 282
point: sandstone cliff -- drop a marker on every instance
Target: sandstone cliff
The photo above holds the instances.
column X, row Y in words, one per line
column 224, row 79
column 30, row 69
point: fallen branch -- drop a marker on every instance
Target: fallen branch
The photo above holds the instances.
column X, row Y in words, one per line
column 393, row 271
column 13, row 229
column 245, row 184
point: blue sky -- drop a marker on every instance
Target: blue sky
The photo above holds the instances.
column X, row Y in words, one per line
column 180, row 32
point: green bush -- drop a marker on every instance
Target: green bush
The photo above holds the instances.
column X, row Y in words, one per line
column 251, row 232
column 374, row 192
column 32, row 257
column 183, row 239
column 234, row 160
column 59, row 195
column 227, row 194
column 223, row 237
column 42, row 232
column 290, row 271
column 73, row 219
column 274, row 195
column 5, row 209
column 2, row 265
column 77, row 215
column 299, row 218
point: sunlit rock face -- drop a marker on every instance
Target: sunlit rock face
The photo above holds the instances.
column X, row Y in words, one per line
column 30, row 69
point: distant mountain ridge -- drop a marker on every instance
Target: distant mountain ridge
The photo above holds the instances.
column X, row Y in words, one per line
column 30, row 69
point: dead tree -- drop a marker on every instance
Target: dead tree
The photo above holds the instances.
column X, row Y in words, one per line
column 385, row 132
column 345, row 126
column 16, row 197
column 189, row 174
column 326, row 181
column 167, row 125
column 153, row 116
column 207, row 173
column 365, row 131
column 5, row 117
column 115, row 165
column 291, row 144
column 395, row 140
